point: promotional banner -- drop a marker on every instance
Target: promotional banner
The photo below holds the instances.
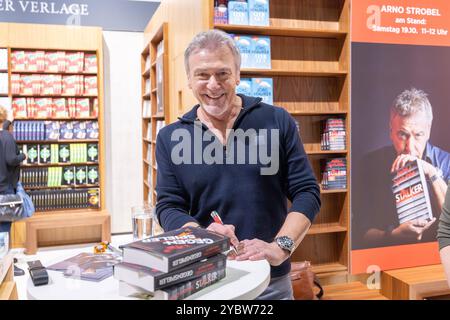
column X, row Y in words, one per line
column 400, row 131
column 111, row 15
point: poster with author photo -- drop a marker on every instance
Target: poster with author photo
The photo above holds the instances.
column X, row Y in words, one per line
column 400, row 142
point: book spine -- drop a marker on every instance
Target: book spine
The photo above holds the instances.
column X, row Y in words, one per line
column 186, row 289
column 192, row 271
column 178, row 261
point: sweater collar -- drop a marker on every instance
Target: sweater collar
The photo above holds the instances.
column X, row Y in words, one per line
column 248, row 103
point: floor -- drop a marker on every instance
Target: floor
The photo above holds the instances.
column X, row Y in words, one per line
column 51, row 255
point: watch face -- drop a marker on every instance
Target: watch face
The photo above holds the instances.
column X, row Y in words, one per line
column 285, row 243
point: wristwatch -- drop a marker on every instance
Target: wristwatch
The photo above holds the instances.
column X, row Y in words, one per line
column 285, row 243
column 436, row 176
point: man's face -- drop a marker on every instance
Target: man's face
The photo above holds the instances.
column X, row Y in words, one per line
column 410, row 134
column 213, row 79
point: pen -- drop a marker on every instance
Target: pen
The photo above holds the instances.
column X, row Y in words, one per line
column 217, row 219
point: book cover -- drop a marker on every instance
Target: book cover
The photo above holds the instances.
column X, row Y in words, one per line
column 19, row 107
column 81, row 175
column 79, row 130
column 258, row 12
column 244, row 44
column 52, row 130
column 70, row 85
column 410, row 190
column 153, row 279
column 60, row 108
column 90, row 63
column 32, row 153
column 176, row 248
column 260, row 53
column 176, row 292
column 92, row 175
column 64, row 153
column 93, row 198
column 88, row 266
column 92, row 152
column 90, row 85
column 263, row 88
column 82, row 108
column 221, row 11
column 238, row 12
column 244, row 87
column 68, row 176
column 92, row 130
column 18, row 60
column 66, row 130
column 44, row 153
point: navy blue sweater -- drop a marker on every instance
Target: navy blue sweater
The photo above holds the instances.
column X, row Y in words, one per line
column 255, row 204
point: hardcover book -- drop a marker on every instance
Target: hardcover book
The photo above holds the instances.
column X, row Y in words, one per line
column 238, row 12
column 261, row 53
column 175, row 292
column 153, row 279
column 245, row 87
column 174, row 249
column 92, row 152
column 263, row 88
column 221, row 11
column 258, row 12
column 92, row 174
column 411, row 194
column 244, row 44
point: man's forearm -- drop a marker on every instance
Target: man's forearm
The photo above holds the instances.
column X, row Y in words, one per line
column 295, row 226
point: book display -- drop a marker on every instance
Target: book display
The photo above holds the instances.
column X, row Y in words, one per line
column 155, row 104
column 172, row 265
column 56, row 94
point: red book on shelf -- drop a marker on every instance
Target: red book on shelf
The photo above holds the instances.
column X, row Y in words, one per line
column 43, row 107
column 60, row 108
column 19, row 106
column 26, row 84
column 90, row 63
column 15, row 83
column 70, row 85
column 90, row 85
column 82, row 108
column 74, row 62
column 31, row 61
column 18, row 60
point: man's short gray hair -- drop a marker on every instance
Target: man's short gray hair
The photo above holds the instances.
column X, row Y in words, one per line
column 212, row 39
column 410, row 102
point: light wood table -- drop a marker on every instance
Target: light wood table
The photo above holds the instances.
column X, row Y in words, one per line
column 8, row 289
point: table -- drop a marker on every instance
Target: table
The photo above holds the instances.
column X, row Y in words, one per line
column 245, row 280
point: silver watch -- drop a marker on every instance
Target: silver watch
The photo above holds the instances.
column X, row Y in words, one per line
column 286, row 243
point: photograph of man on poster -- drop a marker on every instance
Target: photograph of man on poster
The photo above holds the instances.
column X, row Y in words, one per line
column 410, row 123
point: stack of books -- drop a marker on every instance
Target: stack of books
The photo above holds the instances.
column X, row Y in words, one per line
column 410, row 190
column 51, row 199
column 334, row 174
column 334, row 134
column 172, row 265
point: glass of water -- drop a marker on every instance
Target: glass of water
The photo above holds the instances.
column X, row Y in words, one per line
column 142, row 221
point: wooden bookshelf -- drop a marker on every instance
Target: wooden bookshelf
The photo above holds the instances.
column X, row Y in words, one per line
column 61, row 226
column 310, row 59
column 8, row 288
column 151, row 60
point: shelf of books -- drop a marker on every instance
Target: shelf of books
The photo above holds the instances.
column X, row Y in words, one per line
column 57, row 100
column 155, row 103
column 295, row 54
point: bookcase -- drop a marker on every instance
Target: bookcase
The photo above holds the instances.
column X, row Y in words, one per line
column 155, row 102
column 56, row 93
column 8, row 288
column 310, row 69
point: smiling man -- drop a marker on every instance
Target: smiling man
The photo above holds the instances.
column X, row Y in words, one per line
column 411, row 118
column 252, row 202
